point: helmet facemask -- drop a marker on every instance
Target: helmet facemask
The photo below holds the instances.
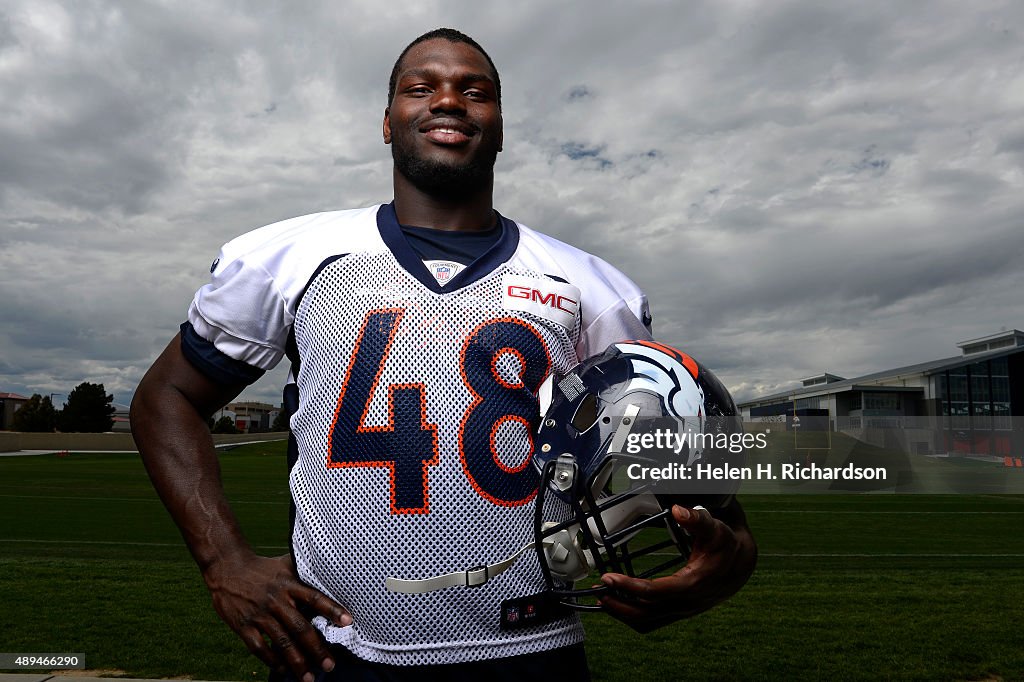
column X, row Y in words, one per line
column 590, row 516
column 608, row 531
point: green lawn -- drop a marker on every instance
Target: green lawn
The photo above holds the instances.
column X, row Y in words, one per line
column 848, row 586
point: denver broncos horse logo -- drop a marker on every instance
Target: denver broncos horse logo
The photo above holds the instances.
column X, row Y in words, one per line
column 668, row 372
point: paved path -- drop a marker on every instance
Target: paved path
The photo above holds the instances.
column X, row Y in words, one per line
column 27, row 453
column 64, row 676
column 220, row 446
column 30, row 453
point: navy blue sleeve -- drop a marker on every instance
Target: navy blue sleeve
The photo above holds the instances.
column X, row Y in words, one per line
column 219, row 367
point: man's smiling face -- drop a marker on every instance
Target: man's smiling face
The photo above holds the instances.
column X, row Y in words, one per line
column 444, row 122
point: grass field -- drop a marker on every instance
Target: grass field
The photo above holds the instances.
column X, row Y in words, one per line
column 847, row 587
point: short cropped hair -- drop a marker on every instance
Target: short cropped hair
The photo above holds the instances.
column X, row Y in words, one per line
column 452, row 36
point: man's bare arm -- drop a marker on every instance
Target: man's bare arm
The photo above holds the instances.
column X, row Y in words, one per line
column 258, row 597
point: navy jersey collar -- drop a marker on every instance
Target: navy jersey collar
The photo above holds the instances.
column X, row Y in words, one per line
column 501, row 251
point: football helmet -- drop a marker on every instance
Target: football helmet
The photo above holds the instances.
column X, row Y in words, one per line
column 591, row 512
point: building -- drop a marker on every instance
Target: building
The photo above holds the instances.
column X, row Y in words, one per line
column 9, row 404
column 122, row 418
column 249, row 417
column 965, row 404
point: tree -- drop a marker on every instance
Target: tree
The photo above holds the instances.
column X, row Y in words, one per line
column 225, row 425
column 37, row 414
column 280, row 422
column 87, row 410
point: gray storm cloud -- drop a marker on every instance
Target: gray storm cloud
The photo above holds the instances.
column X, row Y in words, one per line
column 799, row 188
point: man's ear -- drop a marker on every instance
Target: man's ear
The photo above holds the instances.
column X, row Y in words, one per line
column 387, row 125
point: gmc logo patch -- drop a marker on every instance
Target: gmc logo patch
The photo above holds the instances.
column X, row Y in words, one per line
column 557, row 302
column 551, row 299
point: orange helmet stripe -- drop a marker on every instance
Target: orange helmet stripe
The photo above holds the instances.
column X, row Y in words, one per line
column 689, row 363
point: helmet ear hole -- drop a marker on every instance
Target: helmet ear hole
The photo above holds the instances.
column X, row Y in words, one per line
column 586, row 413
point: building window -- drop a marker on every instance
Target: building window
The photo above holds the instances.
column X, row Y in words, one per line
column 959, row 399
column 1000, row 394
column 881, row 401
column 808, row 404
column 940, row 394
column 981, row 403
column 978, row 405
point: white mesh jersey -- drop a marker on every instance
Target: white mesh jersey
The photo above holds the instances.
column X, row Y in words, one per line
column 415, row 412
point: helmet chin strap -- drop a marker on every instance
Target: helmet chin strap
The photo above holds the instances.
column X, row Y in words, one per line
column 471, row 577
column 567, row 560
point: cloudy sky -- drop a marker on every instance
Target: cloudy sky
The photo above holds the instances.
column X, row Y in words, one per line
column 799, row 186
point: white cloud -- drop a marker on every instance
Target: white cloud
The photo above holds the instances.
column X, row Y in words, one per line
column 799, row 187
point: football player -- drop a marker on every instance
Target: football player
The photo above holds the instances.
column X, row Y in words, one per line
column 418, row 334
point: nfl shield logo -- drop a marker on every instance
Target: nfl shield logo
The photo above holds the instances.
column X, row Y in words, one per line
column 443, row 271
column 512, row 614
